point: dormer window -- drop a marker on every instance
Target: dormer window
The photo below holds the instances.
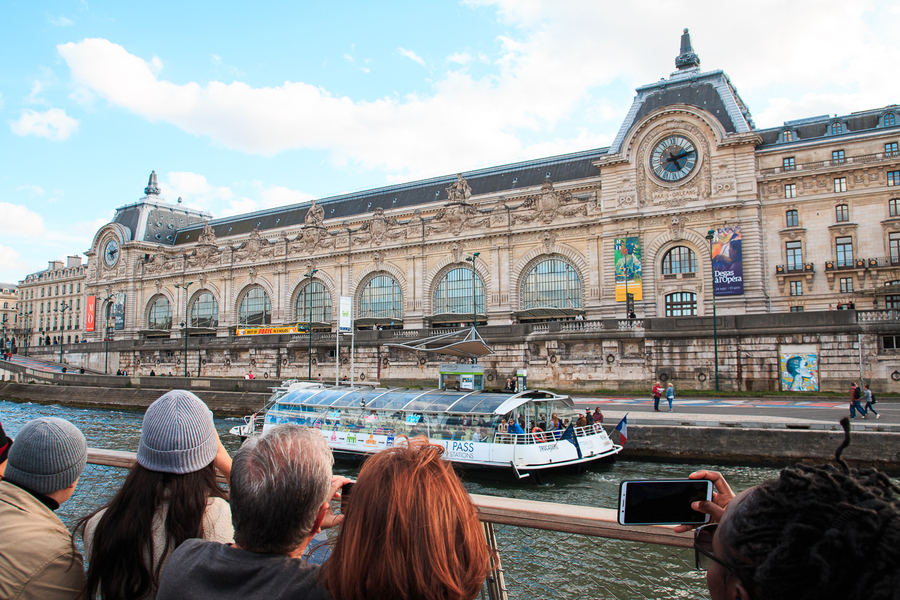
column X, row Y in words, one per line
column 890, row 120
column 787, row 136
column 837, row 128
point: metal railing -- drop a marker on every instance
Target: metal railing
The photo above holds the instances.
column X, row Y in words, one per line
column 827, row 164
column 546, row 550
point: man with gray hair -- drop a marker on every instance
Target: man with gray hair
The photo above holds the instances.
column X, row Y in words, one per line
column 37, row 557
column 281, row 486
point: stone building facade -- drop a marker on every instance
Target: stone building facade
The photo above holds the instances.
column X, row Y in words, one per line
column 52, row 303
column 691, row 211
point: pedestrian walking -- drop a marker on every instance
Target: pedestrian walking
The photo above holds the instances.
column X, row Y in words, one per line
column 855, row 396
column 657, row 392
column 670, row 395
column 870, row 401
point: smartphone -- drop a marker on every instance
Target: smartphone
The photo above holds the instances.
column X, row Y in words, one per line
column 663, row 501
column 346, row 490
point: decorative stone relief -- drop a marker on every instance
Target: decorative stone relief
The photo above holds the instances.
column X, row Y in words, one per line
column 500, row 213
column 454, row 217
column 254, row 248
column 549, row 241
column 414, row 226
column 315, row 216
column 158, row 284
column 378, row 259
column 697, row 188
column 548, row 205
column 460, row 190
column 724, row 182
column 310, row 239
column 160, row 263
column 379, row 230
column 456, row 252
column 677, row 226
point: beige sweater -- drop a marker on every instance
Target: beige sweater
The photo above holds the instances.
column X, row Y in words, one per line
column 216, row 528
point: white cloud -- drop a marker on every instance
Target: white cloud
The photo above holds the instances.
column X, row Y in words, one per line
column 36, row 88
column 460, row 58
column 1, row 101
column 20, row 221
column 12, row 269
column 156, row 64
column 53, row 124
column 411, row 55
column 194, row 190
column 60, row 21
column 348, row 58
column 272, row 196
column 221, row 66
column 34, row 190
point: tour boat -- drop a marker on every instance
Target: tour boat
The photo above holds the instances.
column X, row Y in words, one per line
column 357, row 421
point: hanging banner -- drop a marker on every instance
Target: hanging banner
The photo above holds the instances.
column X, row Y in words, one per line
column 346, row 321
column 90, row 313
column 119, row 313
column 728, row 262
column 286, row 329
column 628, row 268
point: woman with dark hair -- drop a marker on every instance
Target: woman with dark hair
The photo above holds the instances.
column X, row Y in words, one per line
column 169, row 496
column 813, row 533
column 410, row 531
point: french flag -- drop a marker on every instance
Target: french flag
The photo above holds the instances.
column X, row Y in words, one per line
column 622, row 428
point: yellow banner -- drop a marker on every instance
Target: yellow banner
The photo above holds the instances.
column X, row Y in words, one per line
column 270, row 330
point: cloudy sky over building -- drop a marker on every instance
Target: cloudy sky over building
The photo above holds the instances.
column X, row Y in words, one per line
column 243, row 106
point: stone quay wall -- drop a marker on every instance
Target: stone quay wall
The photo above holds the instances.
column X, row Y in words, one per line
column 573, row 356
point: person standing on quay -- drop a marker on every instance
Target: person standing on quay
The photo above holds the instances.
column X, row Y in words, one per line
column 870, row 402
column 657, row 392
column 37, row 557
column 670, row 395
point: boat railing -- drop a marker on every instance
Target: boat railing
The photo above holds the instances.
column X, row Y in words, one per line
column 543, row 437
column 546, row 550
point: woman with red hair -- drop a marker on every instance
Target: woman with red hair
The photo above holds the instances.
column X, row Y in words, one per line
column 410, row 531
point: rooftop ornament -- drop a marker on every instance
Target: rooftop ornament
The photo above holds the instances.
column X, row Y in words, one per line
column 688, row 59
column 152, row 188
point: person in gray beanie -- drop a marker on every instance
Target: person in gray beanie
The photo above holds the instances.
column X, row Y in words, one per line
column 37, row 557
column 169, row 496
column 5, row 446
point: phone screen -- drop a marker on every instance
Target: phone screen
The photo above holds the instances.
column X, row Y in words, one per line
column 663, row 502
column 346, row 489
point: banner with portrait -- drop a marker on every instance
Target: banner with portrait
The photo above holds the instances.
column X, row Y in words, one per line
column 628, row 268
column 119, row 312
column 799, row 366
column 728, row 262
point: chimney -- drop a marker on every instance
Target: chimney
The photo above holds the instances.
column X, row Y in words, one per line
column 73, row 261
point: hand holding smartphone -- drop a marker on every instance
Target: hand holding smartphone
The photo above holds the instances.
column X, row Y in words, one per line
column 663, row 501
column 346, row 490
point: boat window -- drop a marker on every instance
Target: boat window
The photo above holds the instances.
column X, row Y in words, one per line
column 395, row 401
column 435, row 402
column 327, row 397
column 300, row 396
column 359, row 398
column 483, row 403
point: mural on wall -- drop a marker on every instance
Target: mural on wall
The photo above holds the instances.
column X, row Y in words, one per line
column 628, row 268
column 799, row 366
column 728, row 262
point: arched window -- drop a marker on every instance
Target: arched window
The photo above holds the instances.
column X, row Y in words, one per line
column 255, row 308
column 160, row 314
column 551, row 283
column 890, row 120
column 792, row 218
column 205, row 311
column 894, row 207
column 837, row 128
column 453, row 293
column 679, row 259
column 681, row 304
column 313, row 303
column 381, row 298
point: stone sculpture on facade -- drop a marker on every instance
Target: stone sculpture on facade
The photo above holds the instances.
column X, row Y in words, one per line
column 379, row 230
column 460, row 190
column 207, row 252
column 254, row 248
column 315, row 216
column 548, row 205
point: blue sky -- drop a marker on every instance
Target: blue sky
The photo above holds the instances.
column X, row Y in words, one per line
column 243, row 106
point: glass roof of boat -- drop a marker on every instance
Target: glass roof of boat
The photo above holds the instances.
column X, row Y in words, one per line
column 433, row 400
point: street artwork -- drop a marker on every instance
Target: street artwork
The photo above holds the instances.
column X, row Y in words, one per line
column 799, row 372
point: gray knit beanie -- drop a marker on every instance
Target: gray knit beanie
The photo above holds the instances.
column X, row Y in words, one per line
column 49, row 455
column 177, row 435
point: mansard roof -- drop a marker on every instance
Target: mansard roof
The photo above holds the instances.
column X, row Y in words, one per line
column 819, row 127
column 507, row 178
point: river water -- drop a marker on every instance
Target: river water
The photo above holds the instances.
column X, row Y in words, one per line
column 537, row 564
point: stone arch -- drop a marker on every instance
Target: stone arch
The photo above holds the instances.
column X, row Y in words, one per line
column 216, row 294
column 652, row 279
column 162, row 293
column 388, row 268
column 122, row 233
column 523, row 265
column 445, row 265
column 326, row 279
column 261, row 282
column 635, row 137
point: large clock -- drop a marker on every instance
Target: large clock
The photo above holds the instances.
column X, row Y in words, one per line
column 111, row 253
column 673, row 158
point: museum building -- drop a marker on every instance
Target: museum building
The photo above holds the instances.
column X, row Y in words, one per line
column 691, row 209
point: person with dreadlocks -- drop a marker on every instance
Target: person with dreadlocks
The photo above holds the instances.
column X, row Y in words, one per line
column 819, row 532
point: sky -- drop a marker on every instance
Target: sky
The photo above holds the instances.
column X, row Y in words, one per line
column 245, row 106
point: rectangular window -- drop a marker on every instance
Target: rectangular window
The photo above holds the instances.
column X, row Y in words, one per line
column 842, row 213
column 840, row 184
column 77, row 303
column 788, row 136
column 844, row 249
column 796, row 309
column 894, row 246
column 793, row 218
column 796, row 288
column 893, row 178
column 788, row 163
column 846, row 285
column 78, row 289
column 794, row 256
column 892, row 301
column 837, row 157
column 890, row 149
column 893, row 208
column 790, row 190
column 890, row 342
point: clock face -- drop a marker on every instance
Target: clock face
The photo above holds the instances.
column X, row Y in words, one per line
column 111, row 252
column 673, row 158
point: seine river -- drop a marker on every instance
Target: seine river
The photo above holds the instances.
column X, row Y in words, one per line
column 537, row 564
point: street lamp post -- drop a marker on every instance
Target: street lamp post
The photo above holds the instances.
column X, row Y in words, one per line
column 26, row 323
column 474, row 305
column 308, row 320
column 184, row 328
column 62, row 311
column 710, row 235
